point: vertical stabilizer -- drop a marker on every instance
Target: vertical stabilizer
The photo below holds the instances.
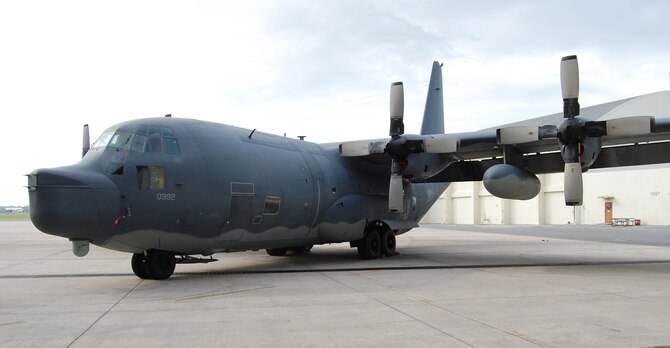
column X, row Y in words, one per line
column 433, row 115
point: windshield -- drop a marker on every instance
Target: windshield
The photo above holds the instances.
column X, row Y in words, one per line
column 121, row 139
column 146, row 139
column 103, row 140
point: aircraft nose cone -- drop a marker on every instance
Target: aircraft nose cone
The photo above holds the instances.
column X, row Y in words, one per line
column 65, row 202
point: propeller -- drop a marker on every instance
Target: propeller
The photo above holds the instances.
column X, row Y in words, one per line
column 399, row 147
column 571, row 132
column 86, row 141
column 397, row 109
column 578, row 137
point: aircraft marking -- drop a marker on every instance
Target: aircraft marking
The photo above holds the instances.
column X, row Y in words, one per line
column 166, row 196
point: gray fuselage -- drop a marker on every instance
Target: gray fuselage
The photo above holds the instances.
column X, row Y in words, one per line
column 195, row 187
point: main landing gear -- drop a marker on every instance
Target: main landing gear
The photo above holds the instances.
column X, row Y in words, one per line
column 378, row 241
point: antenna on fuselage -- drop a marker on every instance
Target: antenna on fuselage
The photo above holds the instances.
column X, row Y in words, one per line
column 168, row 115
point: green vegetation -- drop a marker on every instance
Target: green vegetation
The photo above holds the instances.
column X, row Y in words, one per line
column 14, row 217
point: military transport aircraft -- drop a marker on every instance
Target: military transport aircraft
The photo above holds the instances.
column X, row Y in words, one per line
column 170, row 190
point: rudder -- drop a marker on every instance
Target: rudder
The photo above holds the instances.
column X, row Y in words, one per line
column 433, row 115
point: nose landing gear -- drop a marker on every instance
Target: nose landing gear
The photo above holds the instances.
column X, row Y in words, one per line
column 155, row 264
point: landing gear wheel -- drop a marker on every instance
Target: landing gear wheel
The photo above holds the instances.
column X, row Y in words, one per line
column 388, row 242
column 370, row 246
column 159, row 264
column 137, row 263
column 276, row 251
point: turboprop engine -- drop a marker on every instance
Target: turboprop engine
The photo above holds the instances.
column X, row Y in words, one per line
column 510, row 182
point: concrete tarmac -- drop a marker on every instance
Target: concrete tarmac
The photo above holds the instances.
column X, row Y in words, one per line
column 449, row 286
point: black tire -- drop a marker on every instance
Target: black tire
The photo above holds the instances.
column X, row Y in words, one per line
column 159, row 264
column 388, row 242
column 137, row 263
column 276, row 251
column 370, row 247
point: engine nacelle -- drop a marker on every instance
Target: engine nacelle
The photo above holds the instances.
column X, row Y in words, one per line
column 510, row 182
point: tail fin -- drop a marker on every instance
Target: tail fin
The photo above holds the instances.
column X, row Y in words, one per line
column 433, row 115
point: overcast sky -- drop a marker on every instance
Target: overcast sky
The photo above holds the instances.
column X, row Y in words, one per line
column 315, row 68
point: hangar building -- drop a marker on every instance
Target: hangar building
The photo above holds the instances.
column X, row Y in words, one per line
column 640, row 192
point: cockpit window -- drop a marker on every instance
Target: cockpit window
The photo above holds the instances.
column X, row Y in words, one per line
column 154, row 144
column 138, row 143
column 121, row 139
column 103, row 140
column 147, row 139
column 171, row 146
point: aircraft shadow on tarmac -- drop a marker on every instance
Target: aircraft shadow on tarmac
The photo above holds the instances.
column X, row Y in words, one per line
column 347, row 261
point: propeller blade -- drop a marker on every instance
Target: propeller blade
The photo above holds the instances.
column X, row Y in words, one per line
column 570, row 86
column 629, row 126
column 569, row 77
column 573, row 185
column 397, row 109
column 440, row 144
column 355, row 148
column 86, row 141
column 395, row 193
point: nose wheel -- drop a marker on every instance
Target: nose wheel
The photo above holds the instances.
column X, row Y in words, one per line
column 137, row 263
column 155, row 264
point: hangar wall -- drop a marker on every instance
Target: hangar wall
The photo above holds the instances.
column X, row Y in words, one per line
column 633, row 192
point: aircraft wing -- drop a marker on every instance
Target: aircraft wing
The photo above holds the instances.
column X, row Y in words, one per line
column 478, row 151
column 508, row 158
column 524, row 151
column 474, row 152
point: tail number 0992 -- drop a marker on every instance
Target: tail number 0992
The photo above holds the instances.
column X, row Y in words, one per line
column 166, row 196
